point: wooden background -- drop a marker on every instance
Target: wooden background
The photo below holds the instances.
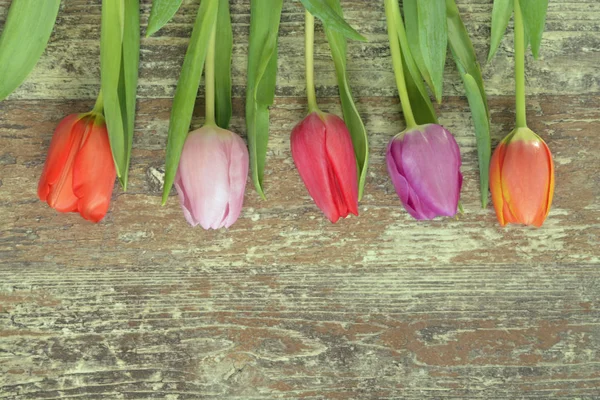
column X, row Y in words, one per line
column 284, row 304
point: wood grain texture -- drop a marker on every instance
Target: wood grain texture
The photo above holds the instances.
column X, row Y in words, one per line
column 284, row 304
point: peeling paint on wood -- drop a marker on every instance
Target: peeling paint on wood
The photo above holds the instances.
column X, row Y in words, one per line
column 284, row 304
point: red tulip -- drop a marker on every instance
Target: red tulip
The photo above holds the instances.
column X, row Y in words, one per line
column 323, row 153
column 79, row 173
column 522, row 179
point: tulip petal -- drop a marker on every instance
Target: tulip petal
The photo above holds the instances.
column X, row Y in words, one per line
column 431, row 163
column 58, row 153
column 342, row 161
column 407, row 195
column 94, row 172
column 496, row 183
column 184, row 201
column 551, row 183
column 56, row 182
column 238, row 175
column 308, row 143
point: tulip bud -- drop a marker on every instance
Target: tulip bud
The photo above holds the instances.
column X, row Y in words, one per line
column 424, row 164
column 323, row 153
column 211, row 178
column 79, row 173
column 522, row 179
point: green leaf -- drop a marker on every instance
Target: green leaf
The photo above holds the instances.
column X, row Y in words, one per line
column 130, row 68
column 501, row 13
column 462, row 47
column 260, row 90
column 111, row 67
column 433, row 40
column 470, row 70
column 331, row 20
column 534, row 17
column 337, row 43
column 162, row 12
column 420, row 102
column 481, row 120
column 119, row 61
column 187, row 89
column 224, row 48
column 26, row 33
column 411, row 16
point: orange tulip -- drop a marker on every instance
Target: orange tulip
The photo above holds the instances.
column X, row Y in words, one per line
column 79, row 173
column 522, row 179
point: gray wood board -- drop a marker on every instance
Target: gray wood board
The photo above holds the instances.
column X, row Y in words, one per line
column 285, row 304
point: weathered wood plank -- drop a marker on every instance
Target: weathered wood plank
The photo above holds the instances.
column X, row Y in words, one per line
column 171, row 331
column 284, row 304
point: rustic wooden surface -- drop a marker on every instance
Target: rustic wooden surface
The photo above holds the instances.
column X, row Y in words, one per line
column 284, row 304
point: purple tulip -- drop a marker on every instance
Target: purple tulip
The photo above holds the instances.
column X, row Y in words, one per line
column 424, row 164
column 211, row 178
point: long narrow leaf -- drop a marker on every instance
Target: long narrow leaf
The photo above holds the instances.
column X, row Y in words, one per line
column 421, row 104
column 26, row 33
column 187, row 89
column 162, row 12
column 131, row 62
column 462, row 46
column 411, row 18
column 466, row 60
column 111, row 68
column 482, row 131
column 501, row 13
column 262, row 73
column 337, row 43
column 433, row 39
column 332, row 20
column 534, row 17
column 224, row 46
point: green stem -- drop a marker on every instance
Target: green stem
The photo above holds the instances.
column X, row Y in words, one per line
column 520, row 67
column 309, row 48
column 209, row 78
column 391, row 15
column 99, row 106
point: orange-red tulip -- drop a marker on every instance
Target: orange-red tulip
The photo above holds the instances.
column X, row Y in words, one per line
column 522, row 179
column 79, row 173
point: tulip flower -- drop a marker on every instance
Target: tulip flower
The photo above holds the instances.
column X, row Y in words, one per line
column 322, row 147
column 208, row 166
column 522, row 179
column 323, row 153
column 423, row 161
column 79, row 173
column 211, row 177
column 424, row 164
column 522, row 170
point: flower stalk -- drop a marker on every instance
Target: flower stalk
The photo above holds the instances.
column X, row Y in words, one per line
column 390, row 13
column 521, row 108
column 99, row 105
column 209, row 78
column 309, row 48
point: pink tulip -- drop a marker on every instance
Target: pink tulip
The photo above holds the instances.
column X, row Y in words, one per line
column 211, row 178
